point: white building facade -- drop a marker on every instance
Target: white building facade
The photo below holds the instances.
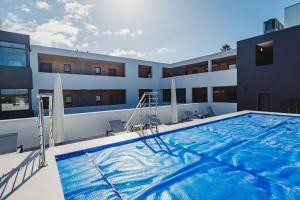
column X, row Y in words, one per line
column 102, row 78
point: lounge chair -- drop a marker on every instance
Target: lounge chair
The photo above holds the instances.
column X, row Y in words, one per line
column 210, row 111
column 116, row 126
column 188, row 116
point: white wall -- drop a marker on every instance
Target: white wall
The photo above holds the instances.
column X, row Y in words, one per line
column 292, row 15
column 131, row 82
column 85, row 125
column 209, row 79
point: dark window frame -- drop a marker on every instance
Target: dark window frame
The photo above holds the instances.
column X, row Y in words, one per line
column 167, row 95
column 264, row 53
column 71, row 102
column 44, row 63
column 67, row 71
column 100, row 70
column 110, row 70
column 26, row 95
column 98, row 100
column 146, row 67
column 220, row 94
column 195, row 95
column 17, row 47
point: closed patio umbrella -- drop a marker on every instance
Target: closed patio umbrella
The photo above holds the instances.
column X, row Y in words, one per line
column 174, row 103
column 58, row 111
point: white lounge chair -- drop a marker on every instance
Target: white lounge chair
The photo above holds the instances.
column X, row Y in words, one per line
column 210, row 111
column 188, row 115
column 116, row 126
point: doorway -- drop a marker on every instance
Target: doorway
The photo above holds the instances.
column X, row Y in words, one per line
column 264, row 102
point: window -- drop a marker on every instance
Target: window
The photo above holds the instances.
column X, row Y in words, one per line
column 145, row 71
column 180, row 95
column 98, row 70
column 166, row 72
column 225, row 94
column 13, row 54
column 69, row 99
column 98, row 98
column 112, row 72
column 14, row 99
column 113, row 99
column 199, row 95
column 264, row 53
column 67, row 68
column 194, row 71
column 45, row 67
column 265, row 102
column 142, row 91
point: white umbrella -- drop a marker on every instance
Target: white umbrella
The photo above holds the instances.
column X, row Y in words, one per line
column 58, row 111
column 174, row 102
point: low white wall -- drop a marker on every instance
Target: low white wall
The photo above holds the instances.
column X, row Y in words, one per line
column 85, row 125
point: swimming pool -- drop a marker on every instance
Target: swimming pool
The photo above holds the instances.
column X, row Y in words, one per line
column 251, row 156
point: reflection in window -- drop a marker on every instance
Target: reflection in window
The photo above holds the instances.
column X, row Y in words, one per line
column 45, row 67
column 225, row 94
column 145, row 71
column 14, row 99
column 199, row 94
column 69, row 99
column 112, row 72
column 98, row 98
column 98, row 70
column 12, row 54
column 180, row 95
column 67, row 68
column 264, row 53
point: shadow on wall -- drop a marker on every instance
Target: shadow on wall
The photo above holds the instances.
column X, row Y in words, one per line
column 16, row 177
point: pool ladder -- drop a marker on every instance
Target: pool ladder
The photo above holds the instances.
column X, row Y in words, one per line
column 145, row 114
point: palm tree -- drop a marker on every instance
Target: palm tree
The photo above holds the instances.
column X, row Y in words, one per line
column 225, row 47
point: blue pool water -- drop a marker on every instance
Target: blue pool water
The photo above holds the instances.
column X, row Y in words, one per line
column 252, row 156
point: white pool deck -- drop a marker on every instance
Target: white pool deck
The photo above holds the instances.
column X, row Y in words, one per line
column 21, row 178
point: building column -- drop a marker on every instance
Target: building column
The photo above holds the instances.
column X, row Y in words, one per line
column 209, row 65
column 189, row 95
column 209, row 94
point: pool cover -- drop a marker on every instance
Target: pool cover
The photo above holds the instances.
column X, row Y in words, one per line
column 252, row 156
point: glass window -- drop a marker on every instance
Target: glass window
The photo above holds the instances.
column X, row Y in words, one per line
column 145, row 71
column 225, row 94
column 67, row 68
column 12, row 54
column 180, row 95
column 264, row 53
column 69, row 99
column 98, row 98
column 199, row 94
column 112, row 72
column 14, row 99
column 98, row 70
column 45, row 67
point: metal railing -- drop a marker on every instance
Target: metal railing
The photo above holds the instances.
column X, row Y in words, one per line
column 41, row 127
column 144, row 112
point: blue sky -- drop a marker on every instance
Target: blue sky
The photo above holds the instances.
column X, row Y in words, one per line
column 158, row 30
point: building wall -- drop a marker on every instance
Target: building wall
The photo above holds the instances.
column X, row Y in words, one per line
column 280, row 79
column 80, row 65
column 131, row 82
column 16, row 77
column 210, row 79
column 292, row 15
column 81, row 125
